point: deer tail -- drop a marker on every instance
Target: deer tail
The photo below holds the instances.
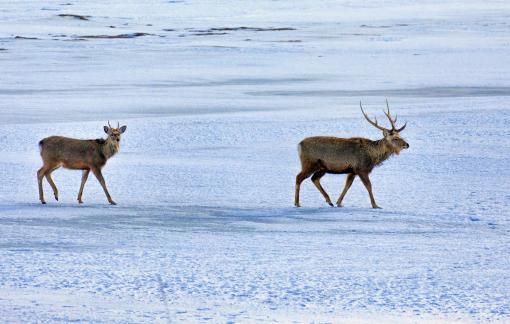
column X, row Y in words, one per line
column 41, row 143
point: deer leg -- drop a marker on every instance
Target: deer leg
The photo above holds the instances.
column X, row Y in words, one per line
column 40, row 176
column 348, row 183
column 52, row 184
column 84, row 176
column 99, row 176
column 316, row 181
column 299, row 179
column 366, row 181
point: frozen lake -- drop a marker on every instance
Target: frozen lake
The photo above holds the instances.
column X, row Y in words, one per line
column 216, row 96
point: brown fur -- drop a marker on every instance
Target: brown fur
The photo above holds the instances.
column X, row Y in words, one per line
column 353, row 156
column 76, row 154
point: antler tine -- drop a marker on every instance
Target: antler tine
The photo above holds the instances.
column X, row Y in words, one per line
column 370, row 121
column 388, row 114
column 402, row 128
column 109, row 124
column 118, row 125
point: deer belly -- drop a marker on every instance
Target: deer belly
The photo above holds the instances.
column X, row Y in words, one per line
column 340, row 169
column 75, row 165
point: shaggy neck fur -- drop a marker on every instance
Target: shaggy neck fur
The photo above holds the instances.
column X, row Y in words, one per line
column 109, row 148
column 380, row 151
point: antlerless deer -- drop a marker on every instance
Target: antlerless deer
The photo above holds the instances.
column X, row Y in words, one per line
column 76, row 154
column 352, row 156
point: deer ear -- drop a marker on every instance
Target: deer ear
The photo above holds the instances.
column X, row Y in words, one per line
column 385, row 133
column 123, row 129
column 106, row 129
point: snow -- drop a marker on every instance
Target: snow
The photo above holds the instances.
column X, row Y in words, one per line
column 204, row 229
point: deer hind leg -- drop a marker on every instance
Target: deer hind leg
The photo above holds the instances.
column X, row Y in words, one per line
column 50, row 180
column 40, row 176
column 99, row 176
column 316, row 181
column 299, row 179
column 84, row 177
column 348, row 184
column 366, row 181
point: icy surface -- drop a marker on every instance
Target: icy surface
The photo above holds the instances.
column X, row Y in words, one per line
column 205, row 228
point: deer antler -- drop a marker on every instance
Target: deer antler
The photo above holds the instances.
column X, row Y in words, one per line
column 109, row 124
column 370, row 121
column 118, row 125
column 393, row 121
column 388, row 114
column 402, row 128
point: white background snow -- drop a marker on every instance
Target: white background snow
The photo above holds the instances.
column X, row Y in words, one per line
column 204, row 229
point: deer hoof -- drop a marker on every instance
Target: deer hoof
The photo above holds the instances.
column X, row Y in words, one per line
column 297, row 205
column 376, row 207
column 330, row 203
column 80, row 201
column 339, row 204
column 56, row 198
column 43, row 202
column 113, row 203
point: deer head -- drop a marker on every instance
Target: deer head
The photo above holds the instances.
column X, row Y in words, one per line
column 114, row 133
column 392, row 136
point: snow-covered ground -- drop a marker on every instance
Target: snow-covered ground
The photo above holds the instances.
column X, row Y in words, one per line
column 204, row 229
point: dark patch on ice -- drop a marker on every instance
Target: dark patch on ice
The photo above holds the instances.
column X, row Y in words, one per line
column 372, row 26
column 228, row 82
column 50, row 9
column 3, row 49
column 225, row 30
column 23, row 37
column 427, row 92
column 289, row 41
column 256, row 29
column 130, row 35
column 75, row 16
column 168, row 29
column 359, row 34
column 383, row 26
column 208, row 34
column 66, row 4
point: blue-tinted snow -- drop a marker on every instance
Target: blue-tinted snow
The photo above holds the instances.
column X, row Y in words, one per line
column 205, row 228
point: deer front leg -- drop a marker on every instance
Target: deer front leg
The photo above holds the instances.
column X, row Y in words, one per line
column 316, row 181
column 99, row 176
column 84, row 177
column 348, row 184
column 366, row 181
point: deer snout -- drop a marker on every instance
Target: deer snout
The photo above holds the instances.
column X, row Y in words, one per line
column 406, row 145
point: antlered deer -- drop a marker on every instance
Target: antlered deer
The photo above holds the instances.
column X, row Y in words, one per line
column 352, row 156
column 76, row 154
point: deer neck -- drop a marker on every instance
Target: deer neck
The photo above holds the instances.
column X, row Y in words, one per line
column 380, row 151
column 109, row 148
